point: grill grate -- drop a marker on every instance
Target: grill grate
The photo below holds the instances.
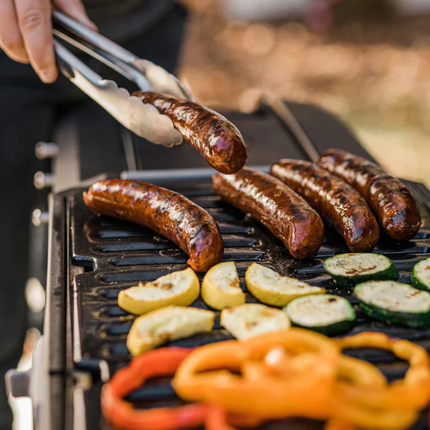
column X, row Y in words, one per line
column 116, row 255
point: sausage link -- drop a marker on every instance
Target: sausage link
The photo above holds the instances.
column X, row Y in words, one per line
column 340, row 204
column 392, row 202
column 213, row 136
column 276, row 206
column 168, row 213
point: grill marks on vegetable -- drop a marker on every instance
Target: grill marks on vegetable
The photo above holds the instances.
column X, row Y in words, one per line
column 351, row 269
column 324, row 313
column 421, row 275
column 359, row 269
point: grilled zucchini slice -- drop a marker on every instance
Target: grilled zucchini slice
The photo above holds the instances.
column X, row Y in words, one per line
column 394, row 303
column 178, row 288
column 273, row 289
column 348, row 270
column 252, row 319
column 166, row 324
column 221, row 288
column 421, row 275
column 324, row 313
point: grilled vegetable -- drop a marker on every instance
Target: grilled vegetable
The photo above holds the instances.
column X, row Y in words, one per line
column 348, row 270
column 166, row 324
column 273, row 289
column 421, row 275
column 220, row 287
column 394, row 303
column 283, row 374
column 299, row 373
column 371, row 405
column 252, row 319
column 177, row 288
column 161, row 362
column 324, row 313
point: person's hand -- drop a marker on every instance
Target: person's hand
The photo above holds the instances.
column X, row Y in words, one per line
column 26, row 31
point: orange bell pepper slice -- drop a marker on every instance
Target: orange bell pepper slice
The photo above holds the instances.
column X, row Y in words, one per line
column 258, row 391
column 372, row 418
column 362, row 396
column 335, row 424
column 412, row 392
column 358, row 372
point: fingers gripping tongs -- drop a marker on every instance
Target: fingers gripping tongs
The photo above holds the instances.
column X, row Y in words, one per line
column 142, row 119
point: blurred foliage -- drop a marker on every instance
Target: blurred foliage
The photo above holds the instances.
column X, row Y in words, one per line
column 373, row 73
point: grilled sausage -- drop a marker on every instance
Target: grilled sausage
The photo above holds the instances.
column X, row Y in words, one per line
column 340, row 204
column 167, row 213
column 276, row 206
column 392, row 202
column 212, row 135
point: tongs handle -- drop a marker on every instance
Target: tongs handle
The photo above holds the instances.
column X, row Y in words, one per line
column 147, row 75
column 91, row 36
column 122, row 68
column 69, row 64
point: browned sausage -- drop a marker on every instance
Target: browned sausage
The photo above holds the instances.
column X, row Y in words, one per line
column 390, row 199
column 276, row 206
column 217, row 139
column 167, row 213
column 340, row 204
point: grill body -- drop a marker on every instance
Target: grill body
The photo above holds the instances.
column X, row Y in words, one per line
column 92, row 258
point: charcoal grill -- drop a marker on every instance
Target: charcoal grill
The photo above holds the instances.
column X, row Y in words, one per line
column 92, row 258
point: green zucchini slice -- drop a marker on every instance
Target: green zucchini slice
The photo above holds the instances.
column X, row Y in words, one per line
column 348, row 270
column 324, row 313
column 421, row 275
column 394, row 303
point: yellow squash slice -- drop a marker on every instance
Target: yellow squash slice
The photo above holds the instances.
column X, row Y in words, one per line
column 177, row 288
column 252, row 319
column 220, row 287
column 166, row 324
column 273, row 289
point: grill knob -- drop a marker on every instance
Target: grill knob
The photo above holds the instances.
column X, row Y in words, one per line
column 17, row 383
column 46, row 150
column 38, row 217
column 43, row 180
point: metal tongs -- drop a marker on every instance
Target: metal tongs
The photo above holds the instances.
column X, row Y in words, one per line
column 142, row 119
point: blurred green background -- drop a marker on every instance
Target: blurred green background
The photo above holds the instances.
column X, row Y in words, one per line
column 368, row 61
